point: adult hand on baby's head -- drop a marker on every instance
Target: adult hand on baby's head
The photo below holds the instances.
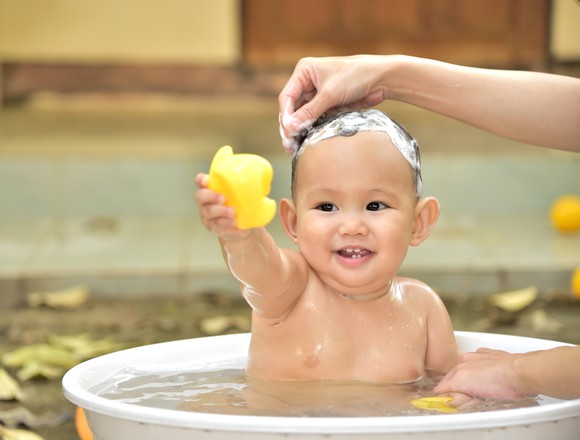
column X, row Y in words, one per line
column 215, row 215
column 327, row 85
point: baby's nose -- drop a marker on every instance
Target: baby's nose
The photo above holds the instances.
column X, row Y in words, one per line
column 353, row 225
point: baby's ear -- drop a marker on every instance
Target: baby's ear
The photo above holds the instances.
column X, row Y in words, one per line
column 426, row 215
column 289, row 219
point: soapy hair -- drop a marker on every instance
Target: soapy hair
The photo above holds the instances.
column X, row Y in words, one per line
column 348, row 124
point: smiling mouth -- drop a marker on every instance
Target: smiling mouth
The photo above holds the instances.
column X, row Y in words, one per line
column 353, row 253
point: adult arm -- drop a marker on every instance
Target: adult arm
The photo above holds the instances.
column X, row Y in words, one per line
column 530, row 107
column 498, row 374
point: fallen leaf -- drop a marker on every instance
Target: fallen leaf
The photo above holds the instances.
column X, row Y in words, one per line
column 20, row 416
column 541, row 322
column 18, row 434
column 217, row 325
column 42, row 353
column 9, row 388
column 37, row 369
column 39, row 360
column 98, row 348
column 70, row 298
column 515, row 300
column 52, row 360
column 70, row 343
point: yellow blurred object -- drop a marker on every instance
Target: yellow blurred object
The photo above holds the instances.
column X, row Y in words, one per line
column 435, row 403
column 576, row 283
column 515, row 300
column 9, row 388
column 565, row 213
column 18, row 434
column 82, row 426
column 70, row 298
column 244, row 180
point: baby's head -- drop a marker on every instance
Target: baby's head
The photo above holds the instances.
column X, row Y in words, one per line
column 348, row 124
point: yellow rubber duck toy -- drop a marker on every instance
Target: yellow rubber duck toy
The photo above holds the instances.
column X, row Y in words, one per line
column 245, row 181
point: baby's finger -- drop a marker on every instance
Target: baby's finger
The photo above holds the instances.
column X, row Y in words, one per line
column 202, row 180
column 222, row 226
column 213, row 212
column 208, row 197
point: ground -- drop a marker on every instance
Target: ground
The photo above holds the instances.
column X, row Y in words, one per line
column 138, row 321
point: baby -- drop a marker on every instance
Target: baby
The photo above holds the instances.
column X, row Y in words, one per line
column 336, row 309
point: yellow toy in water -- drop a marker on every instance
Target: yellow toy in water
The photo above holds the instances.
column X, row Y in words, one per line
column 435, row 403
column 565, row 213
column 245, row 181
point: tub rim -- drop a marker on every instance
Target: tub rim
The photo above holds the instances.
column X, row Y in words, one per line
column 75, row 389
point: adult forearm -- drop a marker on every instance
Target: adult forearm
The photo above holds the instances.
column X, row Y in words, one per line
column 531, row 107
column 551, row 372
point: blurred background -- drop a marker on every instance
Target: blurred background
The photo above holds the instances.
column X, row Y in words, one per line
column 225, row 46
column 108, row 110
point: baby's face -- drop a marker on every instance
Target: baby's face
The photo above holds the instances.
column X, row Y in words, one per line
column 355, row 204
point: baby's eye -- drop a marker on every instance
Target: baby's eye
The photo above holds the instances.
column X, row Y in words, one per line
column 326, row 207
column 376, row 206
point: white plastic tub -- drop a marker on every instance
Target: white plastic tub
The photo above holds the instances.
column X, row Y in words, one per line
column 114, row 420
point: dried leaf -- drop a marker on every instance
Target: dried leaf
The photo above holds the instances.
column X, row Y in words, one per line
column 39, row 353
column 98, row 348
column 215, row 325
column 515, row 300
column 52, row 360
column 20, row 416
column 36, row 369
column 541, row 322
column 70, row 298
column 9, row 388
column 18, row 434
column 70, row 343
column 220, row 324
column 82, row 347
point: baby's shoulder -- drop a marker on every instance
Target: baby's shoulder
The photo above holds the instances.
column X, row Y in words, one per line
column 416, row 289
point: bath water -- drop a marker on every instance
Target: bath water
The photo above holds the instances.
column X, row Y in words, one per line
column 229, row 391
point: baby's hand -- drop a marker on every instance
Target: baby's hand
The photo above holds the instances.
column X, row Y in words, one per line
column 215, row 215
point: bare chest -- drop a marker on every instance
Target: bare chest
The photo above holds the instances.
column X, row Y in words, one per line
column 385, row 345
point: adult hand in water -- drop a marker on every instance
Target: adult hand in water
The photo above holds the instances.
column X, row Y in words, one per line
column 497, row 374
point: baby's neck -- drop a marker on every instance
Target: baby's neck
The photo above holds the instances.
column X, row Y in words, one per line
column 368, row 296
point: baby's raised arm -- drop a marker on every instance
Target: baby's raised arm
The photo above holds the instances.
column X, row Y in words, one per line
column 272, row 279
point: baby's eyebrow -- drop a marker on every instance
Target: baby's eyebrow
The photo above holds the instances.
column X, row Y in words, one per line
column 384, row 192
column 322, row 193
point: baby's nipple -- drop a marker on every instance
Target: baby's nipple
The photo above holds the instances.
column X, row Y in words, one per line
column 312, row 357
